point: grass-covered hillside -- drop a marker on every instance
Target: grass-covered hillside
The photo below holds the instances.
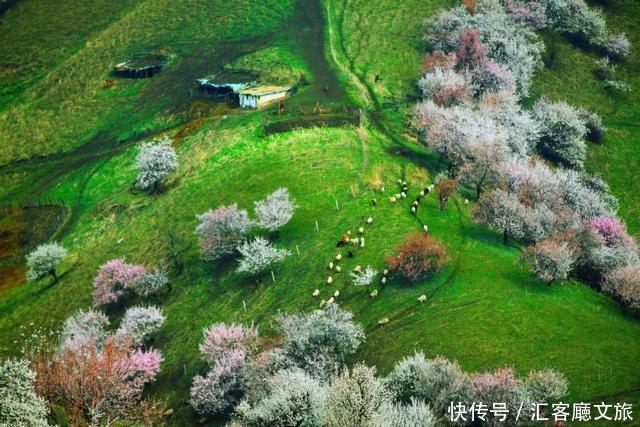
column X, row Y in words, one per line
column 70, row 131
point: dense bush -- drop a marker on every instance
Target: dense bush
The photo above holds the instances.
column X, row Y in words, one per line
column 355, row 398
column 414, row 414
column 221, row 231
column 435, row 381
column 140, row 323
column 623, row 285
column 113, row 279
column 445, row 87
column 99, row 385
column 292, row 399
column 19, row 404
column 319, row 341
column 156, row 161
column 150, row 283
column 562, row 132
column 418, row 257
column 275, row 210
column 220, row 340
column 44, row 260
column 82, row 328
column 552, row 259
column 227, row 349
column 258, row 255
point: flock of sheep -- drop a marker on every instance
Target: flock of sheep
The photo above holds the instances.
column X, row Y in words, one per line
column 358, row 241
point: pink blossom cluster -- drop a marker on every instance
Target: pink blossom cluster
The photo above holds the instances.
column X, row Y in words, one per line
column 227, row 341
column 113, row 278
column 143, row 366
column 612, row 231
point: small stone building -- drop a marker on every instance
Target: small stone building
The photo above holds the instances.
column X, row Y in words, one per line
column 259, row 96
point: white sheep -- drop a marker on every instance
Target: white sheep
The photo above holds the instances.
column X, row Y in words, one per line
column 400, row 181
column 357, row 268
column 383, row 280
column 331, row 265
column 329, row 280
column 413, row 210
column 382, row 189
column 398, row 195
column 338, row 269
column 385, row 271
column 361, row 230
column 422, row 298
column 425, row 228
column 316, row 293
column 336, row 294
column 404, row 183
column 323, row 303
column 369, row 220
column 338, row 257
column 383, row 321
column 331, row 300
column 466, row 201
column 431, row 187
column 403, row 195
column 361, row 242
column 415, row 203
column 422, row 193
column 374, row 293
column 393, row 199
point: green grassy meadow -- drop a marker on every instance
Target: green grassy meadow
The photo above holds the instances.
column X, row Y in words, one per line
column 485, row 309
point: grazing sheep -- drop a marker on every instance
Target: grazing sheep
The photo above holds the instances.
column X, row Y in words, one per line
column 338, row 257
column 329, row 280
column 403, row 195
column 369, row 220
column 357, row 268
column 355, row 241
column 404, row 183
column 413, row 210
column 374, row 202
column 336, row 294
column 331, row 300
column 383, row 321
column 422, row 193
column 398, row 196
column 331, row 265
column 416, row 203
column 316, row 293
column 382, row 189
column 361, row 242
column 383, row 280
column 425, row 228
column 323, row 303
column 343, row 240
column 393, row 199
column 385, row 272
column 338, row 269
column 466, row 201
column 405, row 189
column 374, row 293
column 361, row 230
column 400, row 181
column 431, row 187
column 422, row 298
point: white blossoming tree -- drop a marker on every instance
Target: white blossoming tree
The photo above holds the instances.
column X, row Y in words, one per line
column 221, row 231
column 19, row 404
column 275, row 210
column 139, row 323
column 364, row 277
column 258, row 255
column 82, row 328
column 156, row 161
column 44, row 260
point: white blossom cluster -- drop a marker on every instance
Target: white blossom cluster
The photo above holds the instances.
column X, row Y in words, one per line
column 44, row 260
column 156, row 161
column 258, row 255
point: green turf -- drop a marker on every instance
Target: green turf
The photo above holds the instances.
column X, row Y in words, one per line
column 484, row 309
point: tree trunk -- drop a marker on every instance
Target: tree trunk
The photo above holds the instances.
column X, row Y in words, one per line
column 505, row 238
column 478, row 191
column 54, row 275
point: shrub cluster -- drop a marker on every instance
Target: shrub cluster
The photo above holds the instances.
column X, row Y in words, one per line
column 417, row 258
